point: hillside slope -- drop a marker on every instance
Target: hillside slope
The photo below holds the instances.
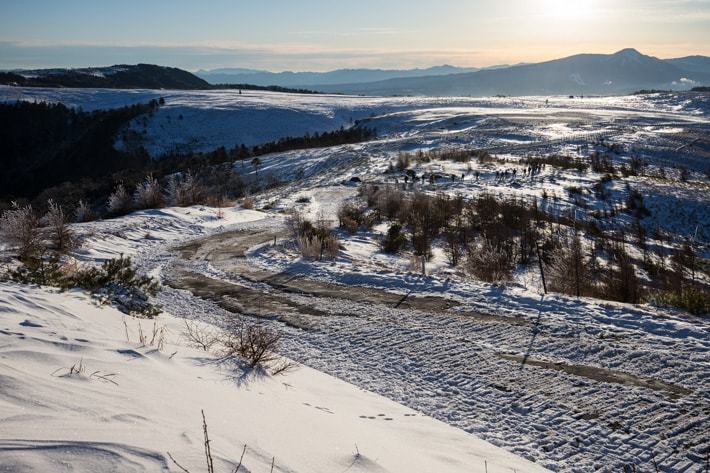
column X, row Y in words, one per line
column 622, row 72
column 139, row 76
column 127, row 403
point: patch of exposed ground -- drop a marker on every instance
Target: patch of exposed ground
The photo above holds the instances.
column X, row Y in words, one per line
column 603, row 375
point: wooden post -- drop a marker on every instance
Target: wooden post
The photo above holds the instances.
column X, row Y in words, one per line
column 539, row 262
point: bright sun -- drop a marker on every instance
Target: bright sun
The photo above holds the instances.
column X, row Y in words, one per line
column 567, row 9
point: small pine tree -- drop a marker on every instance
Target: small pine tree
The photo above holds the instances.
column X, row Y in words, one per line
column 395, row 239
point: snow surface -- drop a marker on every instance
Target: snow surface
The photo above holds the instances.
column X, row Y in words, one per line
column 449, row 366
column 205, row 120
column 133, row 403
column 452, row 367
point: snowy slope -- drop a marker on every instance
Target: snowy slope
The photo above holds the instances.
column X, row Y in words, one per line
column 52, row 420
column 205, row 120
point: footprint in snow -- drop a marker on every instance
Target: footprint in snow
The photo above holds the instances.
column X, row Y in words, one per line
column 29, row 323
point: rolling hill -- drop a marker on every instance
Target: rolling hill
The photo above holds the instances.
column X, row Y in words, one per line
column 139, row 76
column 310, row 79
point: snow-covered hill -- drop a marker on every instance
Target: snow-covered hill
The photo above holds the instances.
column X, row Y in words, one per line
column 205, row 120
column 127, row 404
column 572, row 383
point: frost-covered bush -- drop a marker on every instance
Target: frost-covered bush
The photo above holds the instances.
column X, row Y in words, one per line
column 57, row 223
column 129, row 300
column 40, row 271
column 147, row 194
column 83, row 213
column 119, row 202
column 20, row 228
column 182, row 191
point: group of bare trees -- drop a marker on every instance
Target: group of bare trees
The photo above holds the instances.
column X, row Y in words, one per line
column 491, row 237
column 314, row 240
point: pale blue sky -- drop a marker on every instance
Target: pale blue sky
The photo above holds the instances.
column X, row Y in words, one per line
column 327, row 34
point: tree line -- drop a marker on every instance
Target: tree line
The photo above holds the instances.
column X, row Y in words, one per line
column 51, row 151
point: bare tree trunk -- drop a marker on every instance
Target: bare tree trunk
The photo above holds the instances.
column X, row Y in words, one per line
column 539, row 263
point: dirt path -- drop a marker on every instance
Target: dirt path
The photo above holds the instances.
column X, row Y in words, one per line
column 226, row 252
column 602, row 374
column 487, row 374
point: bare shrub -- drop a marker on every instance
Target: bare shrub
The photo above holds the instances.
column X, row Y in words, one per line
column 296, row 222
column 489, row 262
column 331, row 246
column 248, row 203
column 200, row 337
column 83, row 213
column 556, row 160
column 62, row 237
column 254, row 343
column 391, row 203
column 454, row 248
column 20, row 227
column 182, row 191
column 310, row 247
column 403, row 161
column 352, row 217
column 423, row 226
column 147, row 194
column 119, row 202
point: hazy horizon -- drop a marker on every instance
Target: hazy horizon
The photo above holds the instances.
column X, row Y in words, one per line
column 318, row 36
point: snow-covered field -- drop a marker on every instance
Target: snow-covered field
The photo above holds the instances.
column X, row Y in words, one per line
column 639, row 392
column 604, row 386
column 205, row 120
column 128, row 404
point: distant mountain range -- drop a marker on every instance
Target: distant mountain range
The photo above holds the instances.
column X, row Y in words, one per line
column 310, row 79
column 622, row 72
column 625, row 71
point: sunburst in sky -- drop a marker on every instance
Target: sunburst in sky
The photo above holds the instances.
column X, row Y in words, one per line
column 321, row 34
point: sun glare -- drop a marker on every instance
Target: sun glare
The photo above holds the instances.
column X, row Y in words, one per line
column 567, row 9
